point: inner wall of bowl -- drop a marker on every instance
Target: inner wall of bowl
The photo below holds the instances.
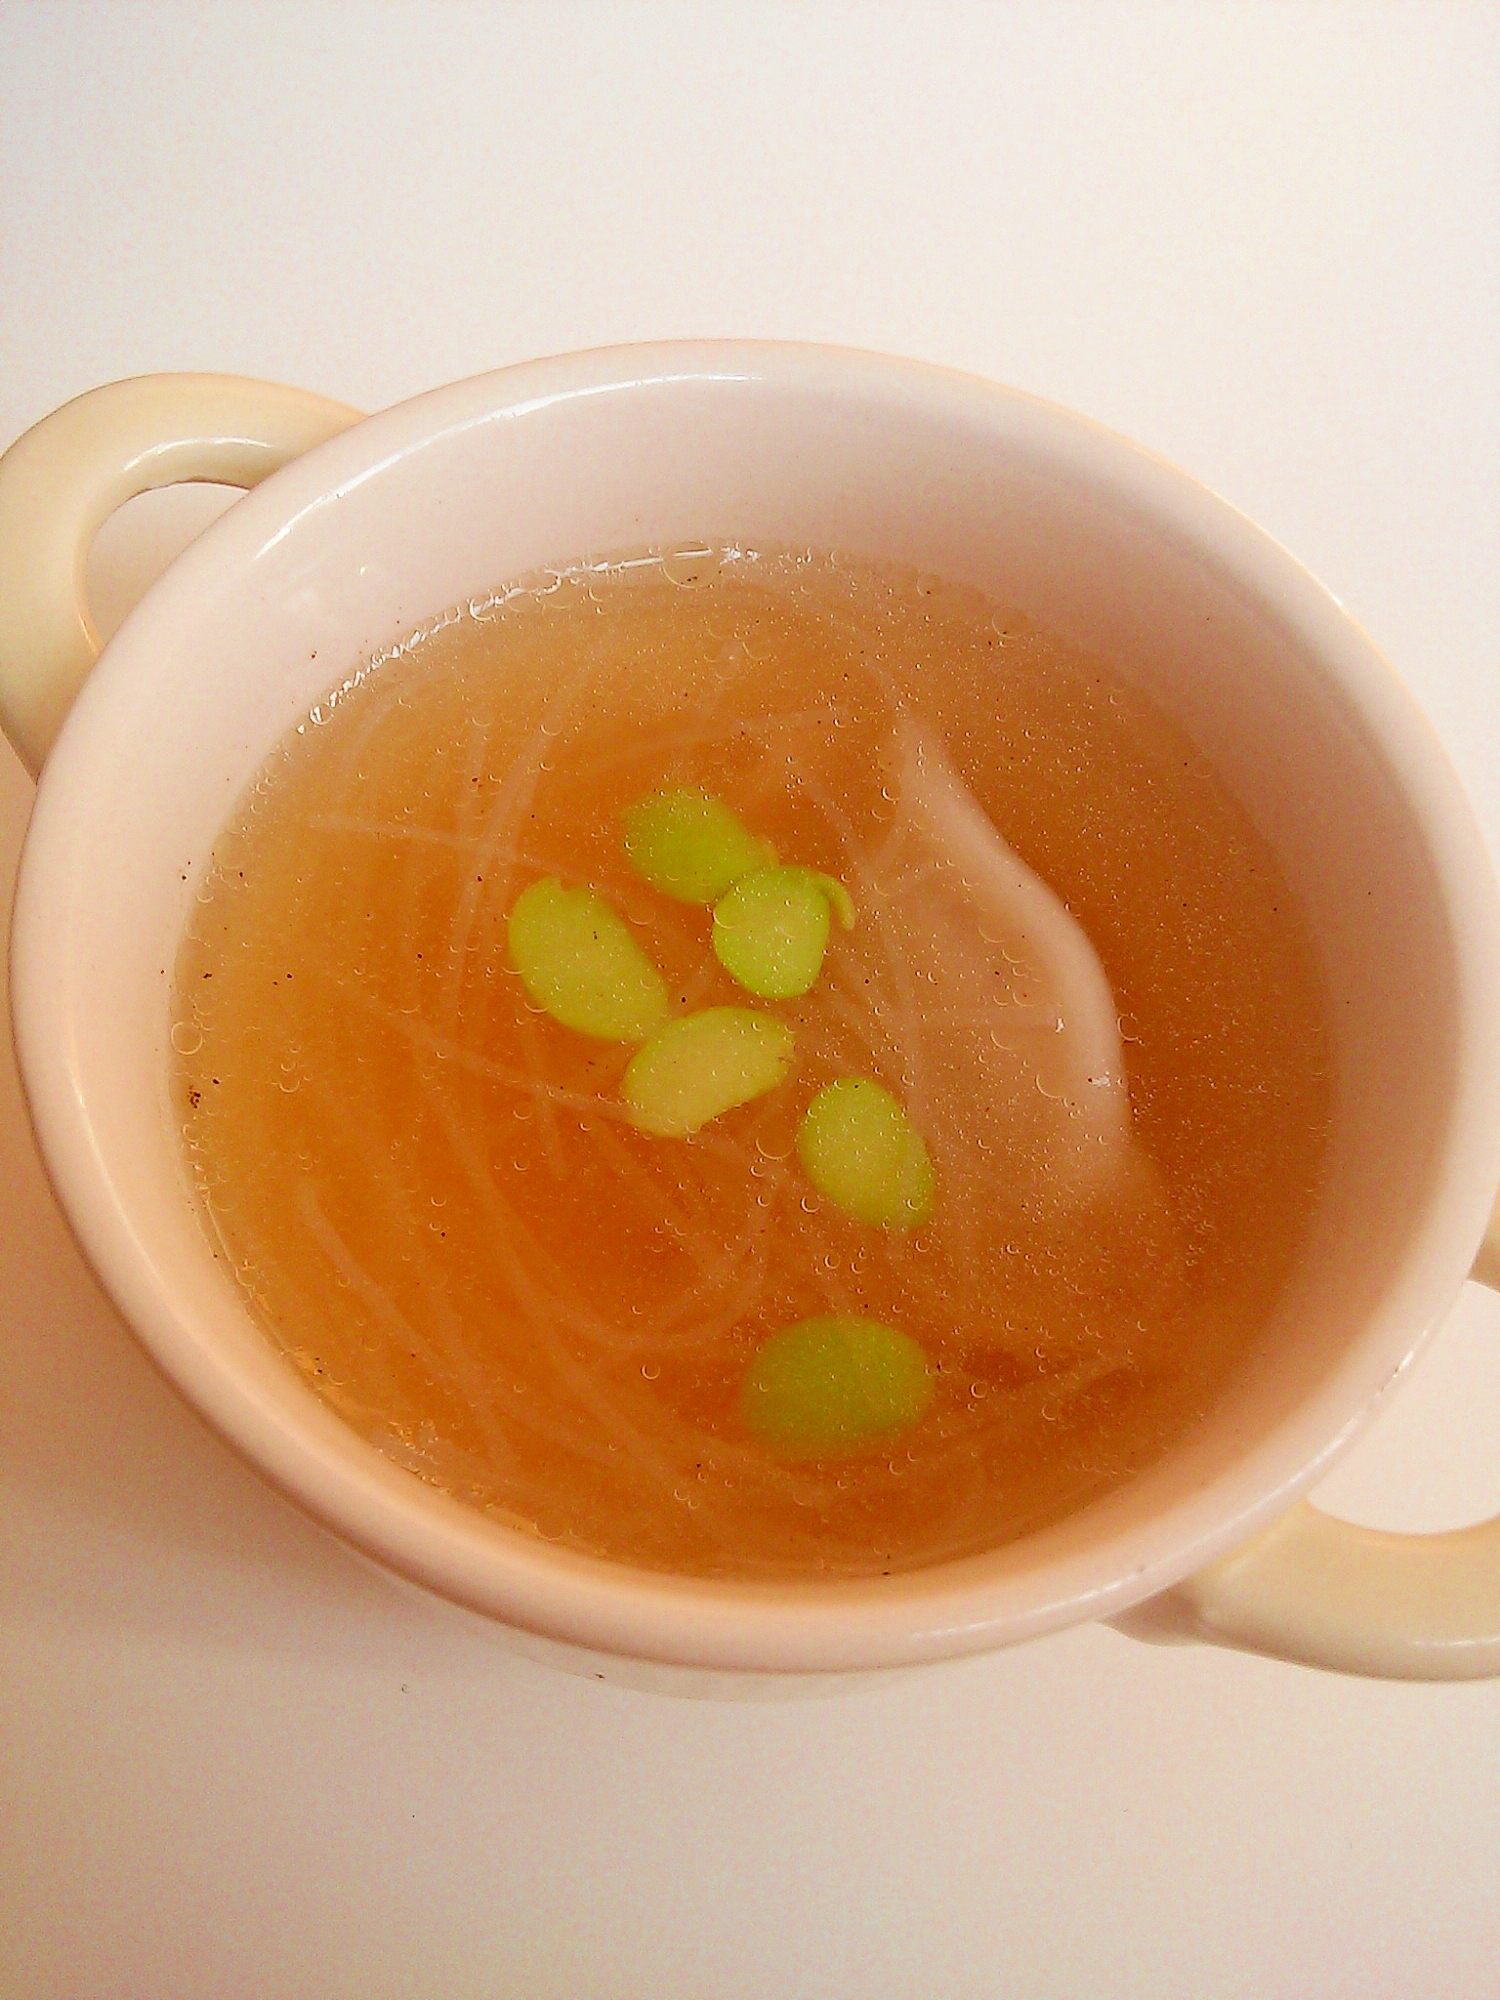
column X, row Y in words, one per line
column 441, row 500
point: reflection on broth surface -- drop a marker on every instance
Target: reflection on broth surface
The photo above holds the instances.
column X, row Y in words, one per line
column 544, row 1196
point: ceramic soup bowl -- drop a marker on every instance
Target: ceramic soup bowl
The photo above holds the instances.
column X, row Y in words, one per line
column 364, row 529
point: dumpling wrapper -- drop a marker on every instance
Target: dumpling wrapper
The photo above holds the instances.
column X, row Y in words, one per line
column 1014, row 1018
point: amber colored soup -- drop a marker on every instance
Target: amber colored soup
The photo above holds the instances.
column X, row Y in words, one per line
column 432, row 1201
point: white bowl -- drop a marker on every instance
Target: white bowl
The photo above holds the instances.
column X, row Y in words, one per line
column 350, row 547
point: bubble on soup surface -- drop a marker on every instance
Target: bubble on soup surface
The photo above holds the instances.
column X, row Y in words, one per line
column 692, row 565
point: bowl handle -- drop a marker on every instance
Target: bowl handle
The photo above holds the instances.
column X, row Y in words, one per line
column 1356, row 1600
column 63, row 479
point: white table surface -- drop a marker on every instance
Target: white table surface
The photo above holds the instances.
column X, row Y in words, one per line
column 1264, row 239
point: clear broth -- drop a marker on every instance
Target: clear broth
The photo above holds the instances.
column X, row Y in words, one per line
column 428, row 1192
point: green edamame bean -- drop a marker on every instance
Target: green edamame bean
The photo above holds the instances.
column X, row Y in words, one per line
column 578, row 959
column 826, row 1386
column 698, row 1068
column 691, row 846
column 771, row 929
column 858, row 1147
